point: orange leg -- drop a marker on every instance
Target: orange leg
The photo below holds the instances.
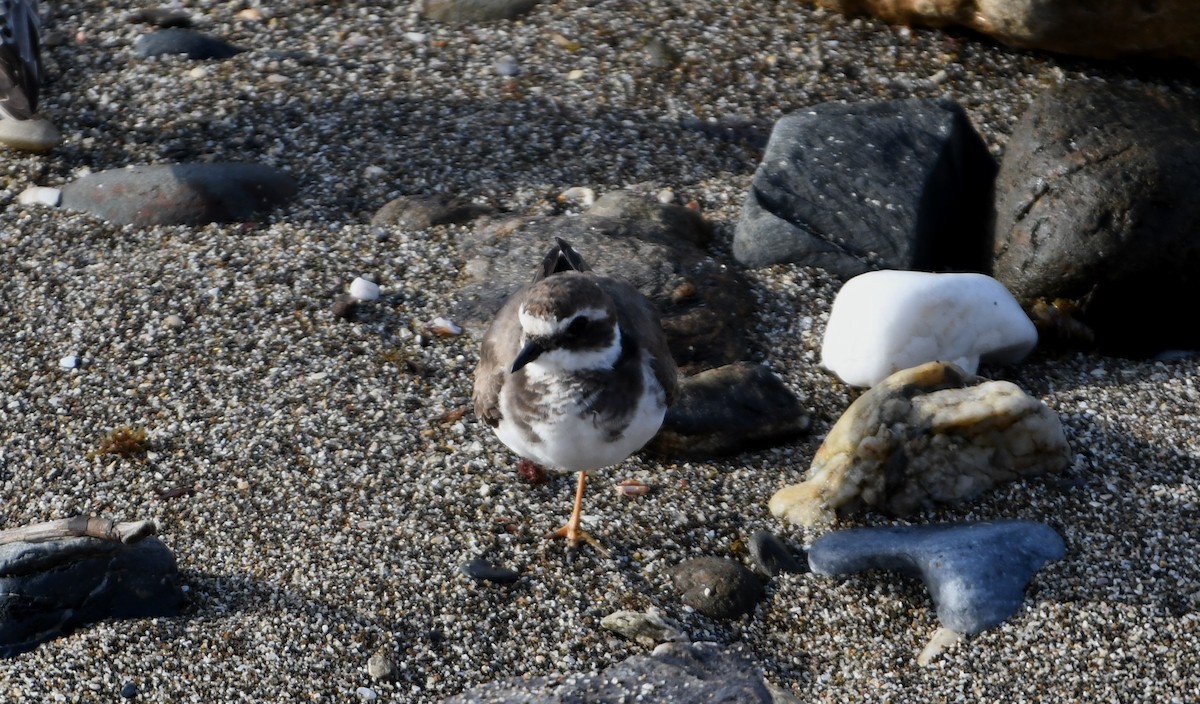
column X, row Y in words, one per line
column 571, row 531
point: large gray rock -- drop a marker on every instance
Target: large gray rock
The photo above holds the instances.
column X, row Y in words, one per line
column 674, row 672
column 179, row 194
column 903, row 184
column 1096, row 203
column 50, row 588
column 1100, row 28
column 704, row 305
column 976, row 573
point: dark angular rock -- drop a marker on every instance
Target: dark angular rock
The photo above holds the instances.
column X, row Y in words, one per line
column 129, row 690
column 675, row 672
column 484, row 571
column 717, row 587
column 463, row 11
column 903, row 184
column 190, row 43
column 51, row 588
column 772, row 556
column 1096, row 202
column 418, row 213
column 976, row 573
column 727, row 410
column 704, row 305
column 627, row 205
column 179, row 194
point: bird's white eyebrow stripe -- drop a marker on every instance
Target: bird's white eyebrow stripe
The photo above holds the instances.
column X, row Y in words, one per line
column 540, row 327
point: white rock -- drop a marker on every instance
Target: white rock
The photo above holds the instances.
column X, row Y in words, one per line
column 43, row 195
column 33, row 135
column 364, row 289
column 70, row 361
column 885, row 321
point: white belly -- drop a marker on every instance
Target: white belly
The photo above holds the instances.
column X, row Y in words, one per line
column 575, row 439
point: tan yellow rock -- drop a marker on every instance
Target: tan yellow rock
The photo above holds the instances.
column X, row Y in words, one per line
column 1097, row 28
column 926, row 435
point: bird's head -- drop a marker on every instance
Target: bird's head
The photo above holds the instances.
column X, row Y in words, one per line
column 568, row 323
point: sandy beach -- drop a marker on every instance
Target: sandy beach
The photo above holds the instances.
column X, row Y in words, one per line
column 331, row 484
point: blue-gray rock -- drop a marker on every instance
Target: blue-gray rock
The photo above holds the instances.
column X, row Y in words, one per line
column 190, row 43
column 717, row 587
column 484, row 571
column 1096, row 203
column 727, row 410
column 48, row 589
column 902, row 184
column 772, row 556
column 129, row 690
column 975, row 572
column 675, row 672
column 463, row 11
column 179, row 194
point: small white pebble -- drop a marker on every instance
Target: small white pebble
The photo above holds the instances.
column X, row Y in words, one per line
column 277, row 78
column 42, row 195
column 416, row 37
column 666, row 196
column 367, row 693
column 444, row 327
column 172, row 322
column 198, row 72
column 374, row 172
column 70, row 361
column 364, row 289
column 575, row 74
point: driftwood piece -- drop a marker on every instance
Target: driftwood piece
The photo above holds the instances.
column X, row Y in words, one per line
column 80, row 527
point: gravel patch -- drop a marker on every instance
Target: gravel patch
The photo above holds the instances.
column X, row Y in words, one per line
column 336, row 486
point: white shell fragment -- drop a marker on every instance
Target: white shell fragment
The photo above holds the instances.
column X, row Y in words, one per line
column 578, row 195
column 443, row 327
column 885, row 321
column 364, row 289
column 40, row 195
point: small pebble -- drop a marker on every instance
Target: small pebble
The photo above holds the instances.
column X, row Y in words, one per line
column 344, row 306
column 484, row 571
column 578, row 195
column 70, row 361
column 366, row 694
column 129, row 691
column 381, row 666
column 40, row 195
column 717, row 587
column 507, row 66
column 772, row 556
column 173, row 322
column 364, row 289
column 443, row 327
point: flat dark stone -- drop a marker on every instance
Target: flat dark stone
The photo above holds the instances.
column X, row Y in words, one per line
column 772, row 556
column 49, row 589
column 188, row 42
column 976, row 573
column 703, row 304
column 1096, row 203
column 727, row 410
column 675, row 672
column 418, row 212
column 180, row 194
column 717, row 587
column 161, row 17
column 484, row 571
column 463, row 11
column 850, row 188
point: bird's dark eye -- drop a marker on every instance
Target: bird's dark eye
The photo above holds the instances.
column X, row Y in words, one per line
column 577, row 326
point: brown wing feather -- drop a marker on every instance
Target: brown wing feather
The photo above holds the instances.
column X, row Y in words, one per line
column 500, row 347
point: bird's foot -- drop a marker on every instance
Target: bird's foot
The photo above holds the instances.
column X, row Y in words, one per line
column 530, row 472
column 576, row 535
